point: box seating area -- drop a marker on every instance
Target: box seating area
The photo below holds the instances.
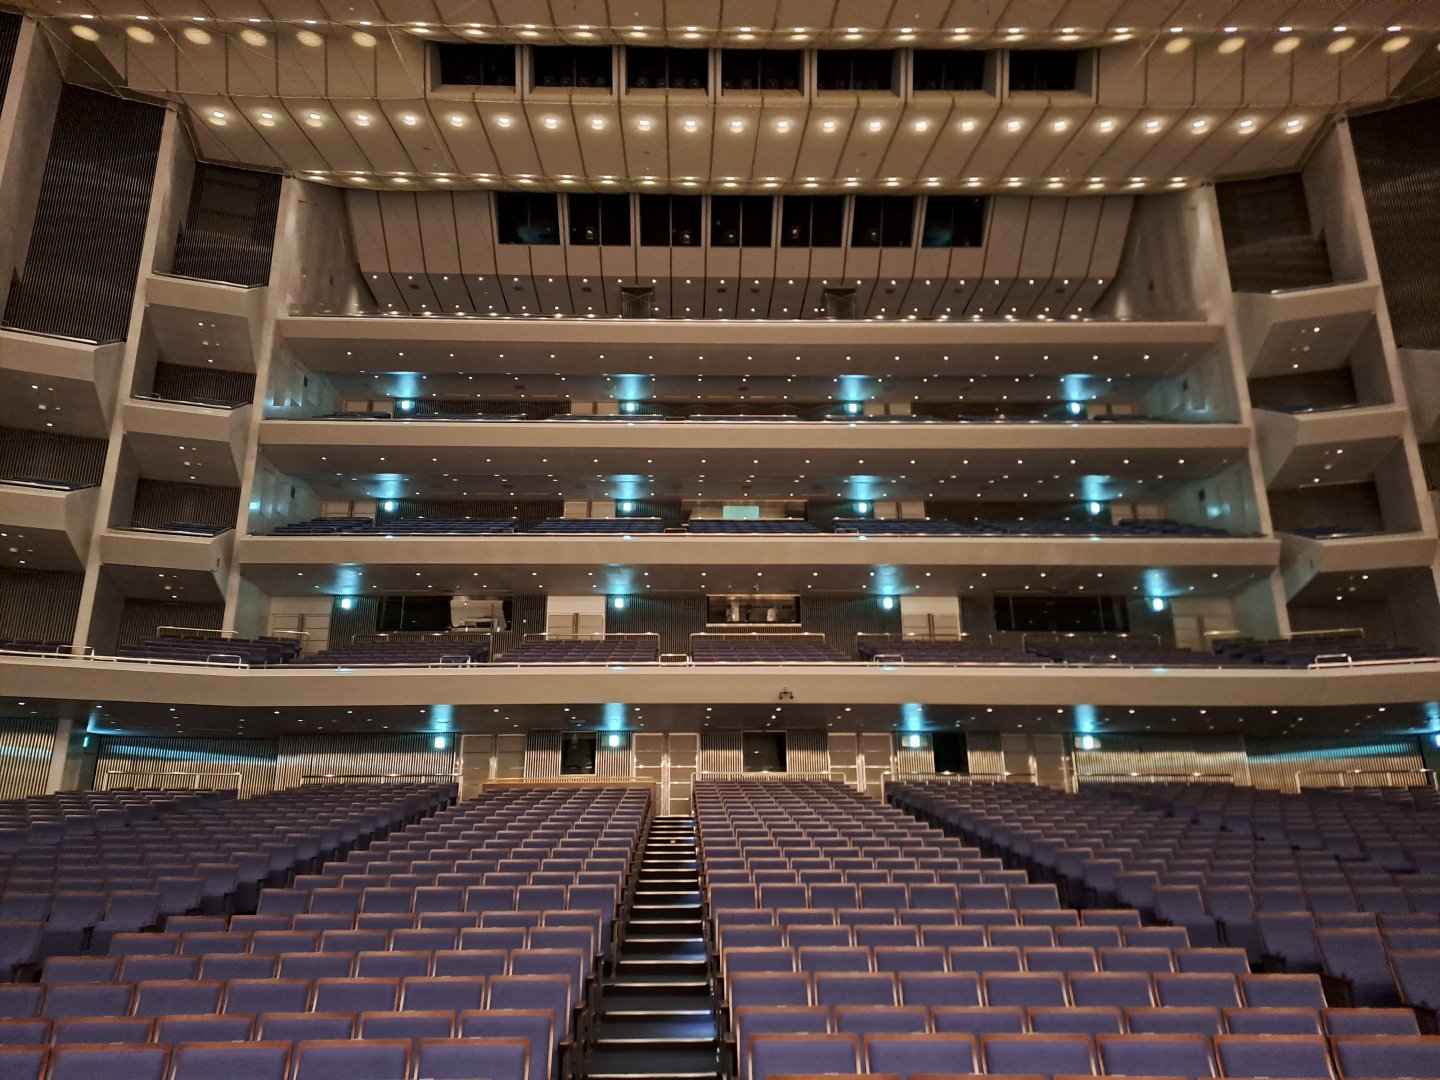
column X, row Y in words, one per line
column 851, row 937
column 39, row 648
column 599, row 526
column 256, row 652
column 1304, row 651
column 465, row 945
column 1148, row 530
column 761, row 648
column 921, row 651
column 1365, row 914
column 78, row 891
column 404, row 654
column 615, row 649
column 738, row 527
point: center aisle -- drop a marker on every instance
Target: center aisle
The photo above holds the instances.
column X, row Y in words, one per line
column 658, row 1015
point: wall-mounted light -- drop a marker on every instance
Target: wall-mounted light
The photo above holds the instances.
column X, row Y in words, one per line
column 618, row 602
column 347, row 603
column 1088, row 742
column 913, row 742
column 852, row 407
column 887, row 603
column 405, row 406
column 862, row 507
column 1157, row 604
column 441, row 742
column 1076, row 408
column 1096, row 507
column 629, row 406
column 627, row 507
column 388, row 505
column 613, row 741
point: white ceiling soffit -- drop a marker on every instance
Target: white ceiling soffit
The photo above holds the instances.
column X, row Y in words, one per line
column 1183, row 92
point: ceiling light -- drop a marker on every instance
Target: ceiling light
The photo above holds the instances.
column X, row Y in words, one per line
column 551, row 122
column 503, row 121
column 1106, row 125
column 644, row 123
column 967, row 125
column 310, row 39
column 1060, row 125
column 140, row 34
column 362, row 119
column 921, row 125
column 1230, row 45
column 1286, row 45
column 314, row 119
column 690, row 124
column 1199, row 125
column 363, row 38
column 1247, row 125
column 85, row 33
column 1014, row 125
column 267, row 119
column 197, row 36
column 409, row 119
column 456, row 120
column 1395, row 44
column 598, row 123
column 782, row 125
column 1293, row 125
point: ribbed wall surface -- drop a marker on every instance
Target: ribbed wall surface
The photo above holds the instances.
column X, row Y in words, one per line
column 9, row 38
column 140, row 619
column 673, row 617
column 39, row 605
column 1275, row 763
column 807, row 752
column 79, row 274
column 1400, row 176
column 179, row 382
column 614, row 762
column 26, row 747
column 525, row 513
column 371, row 758
column 676, row 616
column 253, row 759
column 229, row 229
column 912, row 761
column 721, row 752
column 1181, row 755
column 40, row 455
column 542, row 755
column 159, row 503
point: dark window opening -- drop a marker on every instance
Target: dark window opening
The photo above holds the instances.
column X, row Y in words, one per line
column 812, row 221
column 599, row 220
column 572, row 66
column 476, row 65
column 760, row 69
column 526, row 218
column 855, row 69
column 1044, row 70
column 882, row 221
column 577, row 754
column 951, row 755
column 762, row 751
column 670, row 220
column 954, row 221
column 740, row 220
column 1062, row 614
column 954, row 70
column 413, row 613
column 673, row 69
column 764, row 610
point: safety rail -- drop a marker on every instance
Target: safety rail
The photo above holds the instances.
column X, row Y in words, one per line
column 1155, row 778
column 108, row 783
column 43, row 484
column 422, row 637
column 773, row 775
column 194, row 631
column 205, row 280
column 596, row 636
column 889, row 777
column 383, row 778
column 1350, row 778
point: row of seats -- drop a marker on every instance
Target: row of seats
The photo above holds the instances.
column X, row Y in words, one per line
column 274, row 1059
column 1064, row 1055
column 425, row 411
column 253, row 652
column 1141, row 529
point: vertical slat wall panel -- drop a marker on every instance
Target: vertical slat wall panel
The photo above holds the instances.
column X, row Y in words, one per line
column 913, row 760
column 179, row 382
column 1399, row 173
column 614, row 762
column 229, row 228
column 527, row 514
column 367, row 758
column 253, row 759
column 1274, row 763
column 841, row 618
column 1179, row 754
column 26, row 747
column 79, row 273
column 673, row 617
column 140, row 619
column 984, row 752
column 807, row 752
column 39, row 605
column 721, row 752
column 542, row 755
column 527, row 616
column 40, row 455
column 9, row 39
column 360, row 619
column 159, row 503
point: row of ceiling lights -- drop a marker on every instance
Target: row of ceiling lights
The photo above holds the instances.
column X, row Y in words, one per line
column 196, row 33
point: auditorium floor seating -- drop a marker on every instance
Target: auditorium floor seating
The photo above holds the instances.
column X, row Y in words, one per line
column 468, row 943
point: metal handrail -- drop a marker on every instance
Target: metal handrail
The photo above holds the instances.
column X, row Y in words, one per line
column 420, row 637
column 193, row 774
column 967, row 778
column 599, row 636
column 1427, row 777
column 346, row 778
column 196, row 631
column 775, row 776
column 1156, row 778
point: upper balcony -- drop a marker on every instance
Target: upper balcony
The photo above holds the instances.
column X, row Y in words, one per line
column 47, row 525
column 57, row 385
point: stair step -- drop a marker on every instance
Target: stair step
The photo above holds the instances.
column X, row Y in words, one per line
column 657, row 1028
column 621, row 1063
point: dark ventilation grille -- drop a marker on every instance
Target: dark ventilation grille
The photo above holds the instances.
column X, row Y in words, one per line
column 38, row 605
column 140, row 619
column 839, row 303
column 44, row 455
column 637, row 303
column 160, row 504
column 1269, row 245
column 463, row 64
column 79, row 276
column 1400, row 176
column 9, row 38
column 229, row 228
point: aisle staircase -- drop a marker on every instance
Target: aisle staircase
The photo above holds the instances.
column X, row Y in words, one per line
column 657, row 1017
